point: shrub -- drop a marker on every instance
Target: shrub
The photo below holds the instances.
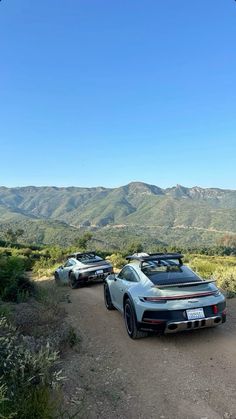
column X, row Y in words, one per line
column 26, row 377
column 18, row 290
column 117, row 260
column 44, row 267
column 11, row 267
column 204, row 268
column 72, row 337
column 226, row 279
column 14, row 285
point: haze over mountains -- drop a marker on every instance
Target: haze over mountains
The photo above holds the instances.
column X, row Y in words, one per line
column 138, row 204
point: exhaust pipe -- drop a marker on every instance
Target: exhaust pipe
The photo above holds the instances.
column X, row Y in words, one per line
column 172, row 326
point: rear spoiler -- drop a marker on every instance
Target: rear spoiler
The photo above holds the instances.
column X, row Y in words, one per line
column 185, row 284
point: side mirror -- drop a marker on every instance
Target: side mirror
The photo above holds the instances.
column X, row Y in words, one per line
column 113, row 277
column 61, row 267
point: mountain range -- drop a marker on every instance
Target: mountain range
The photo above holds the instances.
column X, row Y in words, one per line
column 177, row 211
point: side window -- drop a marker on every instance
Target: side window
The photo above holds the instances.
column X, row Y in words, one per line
column 68, row 263
column 122, row 273
column 128, row 275
column 73, row 262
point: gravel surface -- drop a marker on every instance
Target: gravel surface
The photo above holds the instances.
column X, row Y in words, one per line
column 187, row 375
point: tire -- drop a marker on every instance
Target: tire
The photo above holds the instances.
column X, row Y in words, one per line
column 131, row 321
column 107, row 298
column 73, row 283
column 57, row 278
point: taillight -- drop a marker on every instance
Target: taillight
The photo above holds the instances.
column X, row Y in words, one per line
column 215, row 309
column 153, row 299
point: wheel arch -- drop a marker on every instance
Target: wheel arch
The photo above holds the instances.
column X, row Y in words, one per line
column 126, row 297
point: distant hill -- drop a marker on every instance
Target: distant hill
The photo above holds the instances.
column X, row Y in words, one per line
column 177, row 211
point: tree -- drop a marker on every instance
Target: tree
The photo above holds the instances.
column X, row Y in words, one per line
column 134, row 247
column 82, row 242
column 13, row 236
column 228, row 240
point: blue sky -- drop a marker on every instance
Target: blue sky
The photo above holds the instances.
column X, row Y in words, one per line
column 104, row 92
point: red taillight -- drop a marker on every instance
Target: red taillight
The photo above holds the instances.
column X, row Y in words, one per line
column 215, row 309
column 153, row 321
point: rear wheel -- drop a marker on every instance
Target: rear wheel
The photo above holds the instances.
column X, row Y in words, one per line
column 131, row 321
column 107, row 298
column 73, row 281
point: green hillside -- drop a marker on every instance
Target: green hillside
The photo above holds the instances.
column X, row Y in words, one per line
column 177, row 214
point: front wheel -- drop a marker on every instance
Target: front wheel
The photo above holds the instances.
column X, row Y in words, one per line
column 73, row 281
column 131, row 322
column 107, row 298
column 57, row 278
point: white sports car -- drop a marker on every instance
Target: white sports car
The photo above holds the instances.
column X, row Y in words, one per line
column 81, row 268
column 157, row 292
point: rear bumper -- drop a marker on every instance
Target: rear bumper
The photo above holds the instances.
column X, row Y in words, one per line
column 176, row 321
column 90, row 276
column 173, row 327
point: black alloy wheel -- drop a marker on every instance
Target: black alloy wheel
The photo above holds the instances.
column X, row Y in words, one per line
column 73, row 281
column 131, row 322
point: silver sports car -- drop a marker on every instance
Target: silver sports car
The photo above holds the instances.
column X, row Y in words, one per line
column 156, row 292
column 81, row 268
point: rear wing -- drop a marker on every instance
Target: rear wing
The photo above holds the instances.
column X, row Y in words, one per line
column 157, row 256
column 77, row 255
column 185, row 284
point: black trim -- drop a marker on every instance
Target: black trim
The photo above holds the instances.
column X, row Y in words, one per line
column 75, row 255
column 157, row 256
column 87, row 276
column 180, row 315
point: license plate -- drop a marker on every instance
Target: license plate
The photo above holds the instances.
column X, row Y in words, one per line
column 99, row 272
column 195, row 313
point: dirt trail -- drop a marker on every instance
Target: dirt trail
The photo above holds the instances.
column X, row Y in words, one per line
column 188, row 375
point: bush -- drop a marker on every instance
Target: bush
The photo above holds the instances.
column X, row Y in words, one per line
column 14, row 285
column 117, row 260
column 204, row 268
column 11, row 267
column 27, row 377
column 44, row 267
column 18, row 290
column 226, row 279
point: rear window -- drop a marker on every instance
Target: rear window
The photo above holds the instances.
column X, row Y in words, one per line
column 163, row 272
column 88, row 258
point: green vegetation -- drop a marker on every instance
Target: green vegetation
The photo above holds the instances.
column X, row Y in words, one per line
column 32, row 332
column 117, row 260
column 179, row 216
column 28, row 372
column 26, row 377
column 14, row 284
column 223, row 269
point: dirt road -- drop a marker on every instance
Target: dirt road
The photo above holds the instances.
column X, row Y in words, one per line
column 188, row 375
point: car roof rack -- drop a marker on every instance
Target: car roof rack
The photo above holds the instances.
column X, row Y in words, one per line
column 156, row 256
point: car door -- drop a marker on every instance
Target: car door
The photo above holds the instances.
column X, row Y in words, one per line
column 124, row 281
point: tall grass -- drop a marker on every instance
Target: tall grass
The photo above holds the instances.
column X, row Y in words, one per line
column 223, row 269
column 26, row 377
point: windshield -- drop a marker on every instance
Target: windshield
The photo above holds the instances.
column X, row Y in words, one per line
column 163, row 272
